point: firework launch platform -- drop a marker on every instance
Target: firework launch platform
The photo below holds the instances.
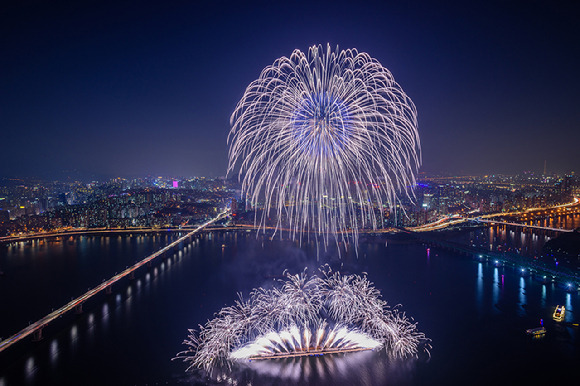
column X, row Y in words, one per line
column 304, row 353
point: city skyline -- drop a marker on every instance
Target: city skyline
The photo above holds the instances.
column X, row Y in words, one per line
column 116, row 89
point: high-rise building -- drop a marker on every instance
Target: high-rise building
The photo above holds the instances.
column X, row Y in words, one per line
column 545, row 168
column 427, row 197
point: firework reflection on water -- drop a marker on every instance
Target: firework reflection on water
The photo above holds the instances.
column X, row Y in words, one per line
column 360, row 368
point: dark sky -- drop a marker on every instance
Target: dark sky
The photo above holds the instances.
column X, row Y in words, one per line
column 138, row 88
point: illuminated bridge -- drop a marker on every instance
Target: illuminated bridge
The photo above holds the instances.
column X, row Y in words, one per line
column 35, row 329
column 525, row 215
column 477, row 220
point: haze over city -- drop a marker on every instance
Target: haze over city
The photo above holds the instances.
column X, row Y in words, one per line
column 103, row 89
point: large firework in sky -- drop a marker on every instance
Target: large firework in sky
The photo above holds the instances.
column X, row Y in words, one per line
column 326, row 141
column 304, row 315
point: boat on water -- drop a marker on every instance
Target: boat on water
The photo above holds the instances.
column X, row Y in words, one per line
column 536, row 332
column 559, row 313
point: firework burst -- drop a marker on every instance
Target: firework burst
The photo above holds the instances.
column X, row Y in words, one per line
column 326, row 141
column 304, row 316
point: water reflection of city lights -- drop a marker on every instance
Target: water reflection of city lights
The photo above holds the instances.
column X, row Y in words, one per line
column 105, row 312
column 522, row 293
column 569, row 307
column 53, row 351
column 480, row 285
column 495, row 293
column 29, row 369
column 543, row 301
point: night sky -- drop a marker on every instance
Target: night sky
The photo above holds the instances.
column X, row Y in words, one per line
column 147, row 88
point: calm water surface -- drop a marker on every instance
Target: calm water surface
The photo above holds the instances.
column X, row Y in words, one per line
column 475, row 313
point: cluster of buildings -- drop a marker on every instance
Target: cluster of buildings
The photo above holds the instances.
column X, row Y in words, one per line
column 438, row 196
column 30, row 206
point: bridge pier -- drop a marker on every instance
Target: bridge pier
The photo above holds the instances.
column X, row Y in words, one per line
column 37, row 335
column 132, row 276
column 109, row 290
column 79, row 309
column 149, row 264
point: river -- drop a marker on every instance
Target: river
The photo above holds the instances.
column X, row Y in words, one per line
column 474, row 313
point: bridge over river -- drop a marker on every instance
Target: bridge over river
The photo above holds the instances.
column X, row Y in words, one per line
column 35, row 328
column 476, row 220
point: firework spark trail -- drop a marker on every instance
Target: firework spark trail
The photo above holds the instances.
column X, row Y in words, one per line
column 323, row 139
column 304, row 314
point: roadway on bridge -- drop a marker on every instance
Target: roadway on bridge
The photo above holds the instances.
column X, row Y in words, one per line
column 457, row 219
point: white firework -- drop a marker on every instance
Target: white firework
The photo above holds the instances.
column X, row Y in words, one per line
column 326, row 141
column 304, row 316
column 296, row 342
